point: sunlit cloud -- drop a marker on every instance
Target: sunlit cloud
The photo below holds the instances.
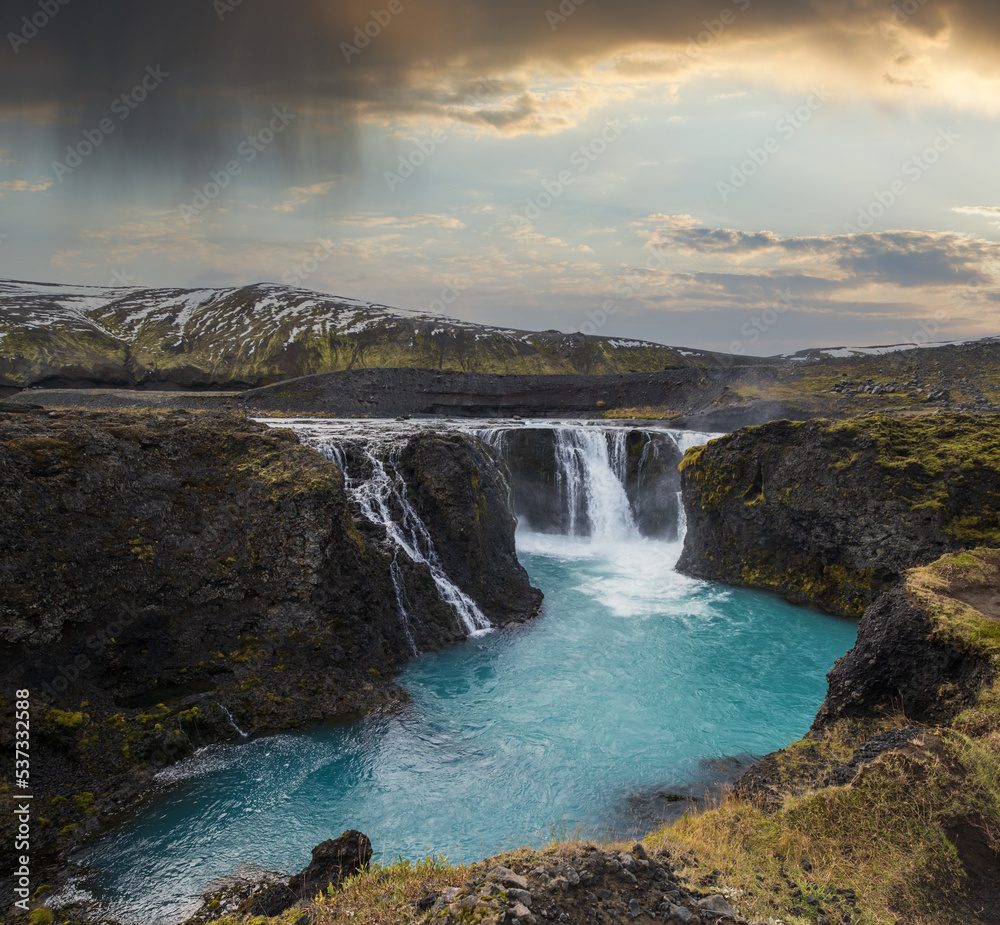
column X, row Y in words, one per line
column 300, row 195
column 24, row 186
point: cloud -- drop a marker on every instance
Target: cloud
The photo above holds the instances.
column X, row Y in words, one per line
column 300, row 195
column 489, row 66
column 24, row 186
column 990, row 212
column 410, row 221
column 904, row 259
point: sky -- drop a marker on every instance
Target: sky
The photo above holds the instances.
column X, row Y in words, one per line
column 753, row 177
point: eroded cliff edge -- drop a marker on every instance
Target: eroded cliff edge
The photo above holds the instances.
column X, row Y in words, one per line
column 169, row 580
column 831, row 514
column 894, row 794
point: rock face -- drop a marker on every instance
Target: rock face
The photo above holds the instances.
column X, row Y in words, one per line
column 832, row 514
column 167, row 581
column 459, row 488
column 333, row 862
column 902, row 660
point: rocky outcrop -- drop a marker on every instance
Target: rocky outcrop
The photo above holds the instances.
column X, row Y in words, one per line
column 905, row 750
column 167, row 581
column 459, row 487
column 832, row 514
column 910, row 655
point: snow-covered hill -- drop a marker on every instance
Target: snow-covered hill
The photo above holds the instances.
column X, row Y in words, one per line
column 259, row 334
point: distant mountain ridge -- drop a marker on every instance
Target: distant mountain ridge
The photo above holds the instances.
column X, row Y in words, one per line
column 235, row 338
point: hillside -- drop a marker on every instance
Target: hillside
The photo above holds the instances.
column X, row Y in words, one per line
column 82, row 336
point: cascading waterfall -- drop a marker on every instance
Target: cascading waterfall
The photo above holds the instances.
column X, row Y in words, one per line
column 379, row 493
column 633, row 686
column 592, row 477
column 232, row 722
column 585, row 481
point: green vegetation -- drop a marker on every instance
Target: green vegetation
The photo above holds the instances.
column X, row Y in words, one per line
column 65, row 720
column 947, row 463
column 889, row 836
column 848, row 591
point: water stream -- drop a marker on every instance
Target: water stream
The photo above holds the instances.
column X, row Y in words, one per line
column 635, row 680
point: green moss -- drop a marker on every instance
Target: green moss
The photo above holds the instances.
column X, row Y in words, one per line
column 932, row 460
column 65, row 720
column 836, row 587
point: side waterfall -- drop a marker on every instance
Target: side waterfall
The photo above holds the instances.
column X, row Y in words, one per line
column 378, row 492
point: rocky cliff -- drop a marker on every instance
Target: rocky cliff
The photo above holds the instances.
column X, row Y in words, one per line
column 897, row 785
column 831, row 514
column 167, row 581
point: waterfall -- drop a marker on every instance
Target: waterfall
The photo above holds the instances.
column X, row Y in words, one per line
column 378, row 492
column 232, row 722
column 591, row 478
column 576, row 479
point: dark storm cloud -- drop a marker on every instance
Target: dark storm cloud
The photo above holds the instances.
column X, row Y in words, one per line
column 897, row 258
column 231, row 61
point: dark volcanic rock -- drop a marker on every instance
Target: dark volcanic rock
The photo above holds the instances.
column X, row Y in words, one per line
column 688, row 394
column 653, row 483
column 459, row 488
column 832, row 514
column 168, row 581
column 332, row 863
column 897, row 662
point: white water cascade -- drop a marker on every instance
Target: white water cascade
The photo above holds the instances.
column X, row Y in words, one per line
column 588, row 463
column 232, row 722
column 591, row 480
column 379, row 492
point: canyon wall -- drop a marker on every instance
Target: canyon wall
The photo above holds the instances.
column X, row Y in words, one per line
column 168, row 581
column 831, row 514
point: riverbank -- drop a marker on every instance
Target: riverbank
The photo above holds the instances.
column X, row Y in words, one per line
column 876, row 818
column 170, row 581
